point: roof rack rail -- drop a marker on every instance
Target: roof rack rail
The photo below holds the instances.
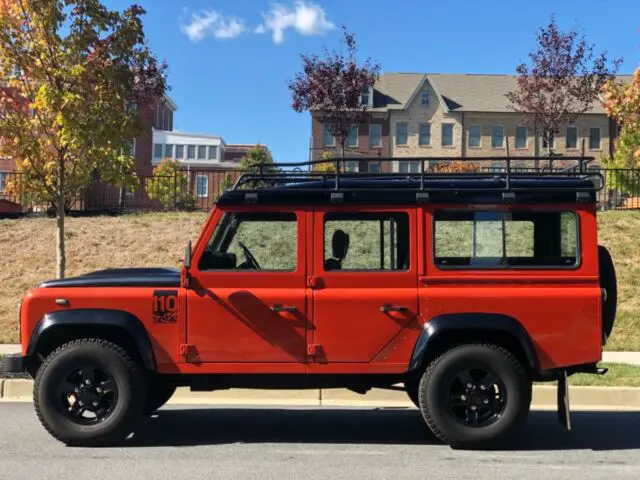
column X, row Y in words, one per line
column 433, row 176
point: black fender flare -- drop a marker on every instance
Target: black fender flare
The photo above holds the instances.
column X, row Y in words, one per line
column 439, row 325
column 95, row 317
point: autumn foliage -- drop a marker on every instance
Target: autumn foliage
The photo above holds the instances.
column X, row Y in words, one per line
column 622, row 103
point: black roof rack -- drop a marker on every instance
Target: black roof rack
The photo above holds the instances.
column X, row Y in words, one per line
column 289, row 183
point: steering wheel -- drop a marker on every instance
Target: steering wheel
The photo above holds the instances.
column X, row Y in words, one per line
column 249, row 256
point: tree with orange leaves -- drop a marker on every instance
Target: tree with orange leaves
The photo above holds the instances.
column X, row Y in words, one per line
column 622, row 103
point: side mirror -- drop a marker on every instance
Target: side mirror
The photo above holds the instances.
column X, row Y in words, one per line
column 187, row 255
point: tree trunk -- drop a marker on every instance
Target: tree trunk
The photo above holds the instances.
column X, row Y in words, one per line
column 60, row 248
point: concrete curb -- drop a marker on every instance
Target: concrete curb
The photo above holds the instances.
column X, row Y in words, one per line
column 544, row 397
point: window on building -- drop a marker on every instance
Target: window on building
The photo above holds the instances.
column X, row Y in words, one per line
column 409, row 166
column 157, row 150
column 202, row 152
column 168, row 151
column 377, row 241
column 474, row 136
column 447, row 134
column 572, row 137
column 191, row 152
column 352, row 139
column 490, row 239
column 3, row 181
column 594, row 138
column 202, row 185
column 213, row 152
column 366, row 98
column 497, row 136
column 402, row 133
column 424, row 98
column 424, row 134
column 270, row 237
column 129, row 147
column 180, row 151
column 327, row 138
column 351, row 167
column 375, row 135
column 521, row 137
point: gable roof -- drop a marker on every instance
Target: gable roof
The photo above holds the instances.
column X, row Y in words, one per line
column 456, row 92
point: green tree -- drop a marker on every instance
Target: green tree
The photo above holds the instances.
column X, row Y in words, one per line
column 255, row 156
column 73, row 73
column 170, row 187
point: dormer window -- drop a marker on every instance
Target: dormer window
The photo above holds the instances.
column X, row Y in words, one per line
column 424, row 98
column 367, row 97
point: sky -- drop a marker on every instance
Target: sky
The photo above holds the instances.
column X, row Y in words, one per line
column 229, row 60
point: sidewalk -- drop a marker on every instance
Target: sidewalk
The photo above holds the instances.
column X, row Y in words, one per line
column 632, row 358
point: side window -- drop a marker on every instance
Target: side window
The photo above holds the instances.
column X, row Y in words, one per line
column 371, row 241
column 516, row 239
column 252, row 241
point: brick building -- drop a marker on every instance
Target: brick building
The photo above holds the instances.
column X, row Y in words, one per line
column 415, row 115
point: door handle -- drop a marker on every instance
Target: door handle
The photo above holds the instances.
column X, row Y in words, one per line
column 283, row 308
column 386, row 308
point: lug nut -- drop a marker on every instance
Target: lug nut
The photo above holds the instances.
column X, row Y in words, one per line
column 81, row 403
column 95, row 404
column 486, row 401
column 469, row 385
column 77, row 390
column 87, row 382
column 99, row 390
column 483, row 387
column 463, row 398
column 473, row 407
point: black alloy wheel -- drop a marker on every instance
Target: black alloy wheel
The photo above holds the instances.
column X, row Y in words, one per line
column 87, row 395
column 477, row 398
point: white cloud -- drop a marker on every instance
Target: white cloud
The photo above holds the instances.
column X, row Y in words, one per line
column 211, row 23
column 306, row 18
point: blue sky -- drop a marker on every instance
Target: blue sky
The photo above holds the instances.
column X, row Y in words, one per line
column 229, row 60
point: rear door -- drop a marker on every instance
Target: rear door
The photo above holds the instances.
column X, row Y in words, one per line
column 364, row 283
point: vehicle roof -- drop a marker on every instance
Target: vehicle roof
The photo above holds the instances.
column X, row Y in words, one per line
column 398, row 190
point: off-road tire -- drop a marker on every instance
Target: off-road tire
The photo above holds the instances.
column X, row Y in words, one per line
column 159, row 392
column 412, row 388
column 608, row 282
column 126, row 373
column 434, row 395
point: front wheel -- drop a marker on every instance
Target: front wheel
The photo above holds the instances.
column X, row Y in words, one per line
column 89, row 392
column 475, row 395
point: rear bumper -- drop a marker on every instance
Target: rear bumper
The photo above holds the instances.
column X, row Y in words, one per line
column 12, row 364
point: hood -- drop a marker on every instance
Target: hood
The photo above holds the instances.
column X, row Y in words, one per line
column 121, row 277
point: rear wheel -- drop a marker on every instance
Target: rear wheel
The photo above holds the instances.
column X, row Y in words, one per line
column 89, row 392
column 475, row 395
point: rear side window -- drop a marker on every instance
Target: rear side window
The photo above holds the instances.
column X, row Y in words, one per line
column 519, row 239
column 372, row 241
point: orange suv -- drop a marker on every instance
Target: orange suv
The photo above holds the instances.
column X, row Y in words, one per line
column 464, row 288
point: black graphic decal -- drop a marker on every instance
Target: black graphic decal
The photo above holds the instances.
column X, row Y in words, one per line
column 165, row 306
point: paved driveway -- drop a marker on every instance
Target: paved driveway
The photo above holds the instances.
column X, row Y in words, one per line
column 320, row 444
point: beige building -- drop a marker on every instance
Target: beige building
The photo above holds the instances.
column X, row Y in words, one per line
column 467, row 115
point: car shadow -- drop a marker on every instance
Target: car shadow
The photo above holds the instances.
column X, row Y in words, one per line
column 402, row 426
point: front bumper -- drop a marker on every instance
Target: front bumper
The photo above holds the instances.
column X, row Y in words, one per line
column 12, row 363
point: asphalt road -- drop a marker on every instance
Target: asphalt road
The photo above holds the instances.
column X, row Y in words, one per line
column 327, row 444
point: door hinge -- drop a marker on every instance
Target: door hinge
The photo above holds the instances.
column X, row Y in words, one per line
column 312, row 282
column 313, row 348
column 188, row 351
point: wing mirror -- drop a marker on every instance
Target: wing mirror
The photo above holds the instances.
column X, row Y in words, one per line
column 187, row 255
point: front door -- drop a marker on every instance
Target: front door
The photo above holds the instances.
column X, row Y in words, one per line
column 365, row 292
column 247, row 301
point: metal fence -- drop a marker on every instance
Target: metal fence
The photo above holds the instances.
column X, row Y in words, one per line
column 190, row 190
column 197, row 190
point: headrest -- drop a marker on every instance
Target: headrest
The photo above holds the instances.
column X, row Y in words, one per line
column 339, row 244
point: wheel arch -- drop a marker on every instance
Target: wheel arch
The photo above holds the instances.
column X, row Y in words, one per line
column 445, row 331
column 118, row 326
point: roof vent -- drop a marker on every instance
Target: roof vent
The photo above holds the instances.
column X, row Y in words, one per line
column 251, row 197
column 423, row 197
column 336, row 197
column 583, row 197
column 508, row 197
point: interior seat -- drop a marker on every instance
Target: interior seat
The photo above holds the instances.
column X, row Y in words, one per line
column 339, row 248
